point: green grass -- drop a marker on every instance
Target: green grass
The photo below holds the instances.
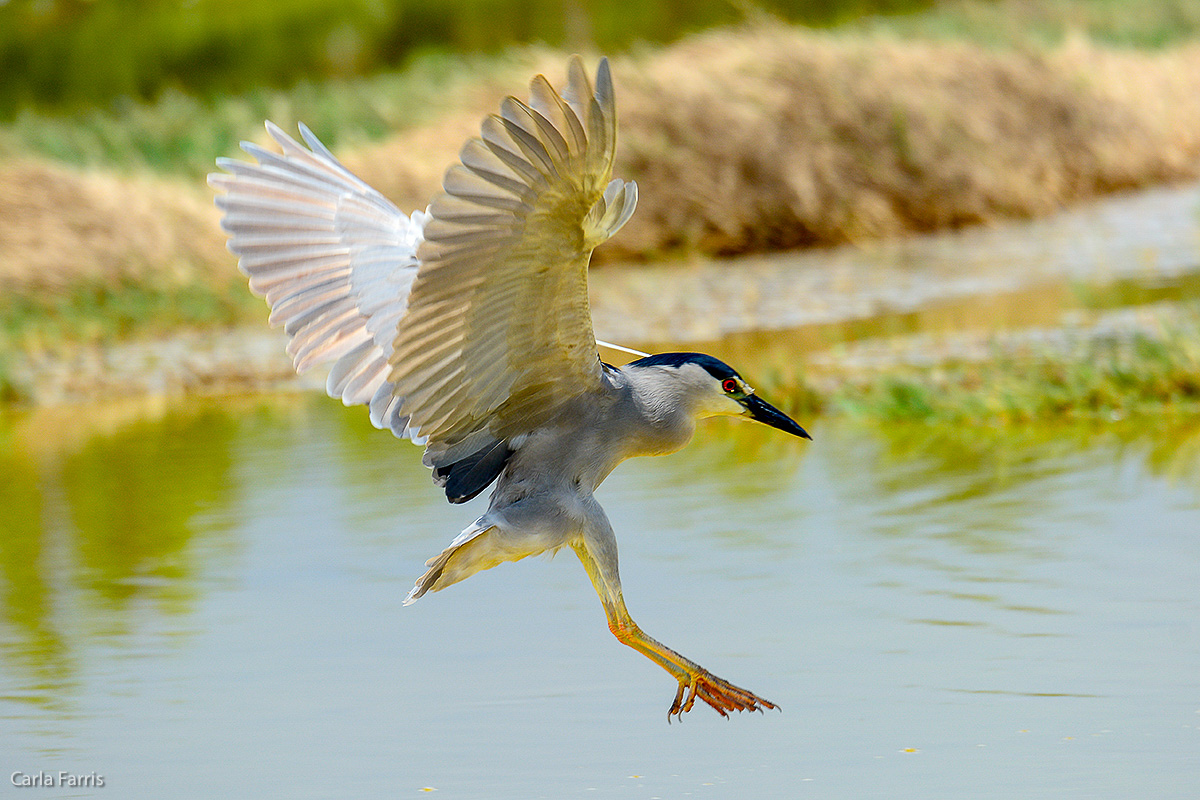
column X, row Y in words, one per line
column 92, row 314
column 181, row 134
column 1108, row 379
column 1102, row 379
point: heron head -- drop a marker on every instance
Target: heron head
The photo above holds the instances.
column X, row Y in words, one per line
column 713, row 388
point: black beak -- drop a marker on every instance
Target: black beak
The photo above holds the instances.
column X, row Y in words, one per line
column 762, row 411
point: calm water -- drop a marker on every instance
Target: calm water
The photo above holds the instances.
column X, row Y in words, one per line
column 204, row 601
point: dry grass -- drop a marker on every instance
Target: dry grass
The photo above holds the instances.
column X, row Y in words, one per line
column 761, row 138
column 775, row 138
column 60, row 227
column 772, row 137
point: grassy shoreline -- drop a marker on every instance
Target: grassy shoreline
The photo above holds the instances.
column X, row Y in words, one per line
column 1104, row 378
column 1104, row 372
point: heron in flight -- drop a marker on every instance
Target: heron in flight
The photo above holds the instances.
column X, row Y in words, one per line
column 465, row 328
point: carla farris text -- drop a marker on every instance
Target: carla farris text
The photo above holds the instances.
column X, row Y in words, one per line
column 68, row 779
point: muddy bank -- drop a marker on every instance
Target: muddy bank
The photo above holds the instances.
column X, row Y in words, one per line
column 742, row 141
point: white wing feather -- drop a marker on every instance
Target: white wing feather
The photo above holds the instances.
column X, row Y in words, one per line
column 334, row 259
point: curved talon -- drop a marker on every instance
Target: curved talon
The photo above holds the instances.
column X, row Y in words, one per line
column 721, row 695
column 677, row 703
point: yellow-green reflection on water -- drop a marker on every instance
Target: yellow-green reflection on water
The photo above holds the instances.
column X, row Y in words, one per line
column 98, row 528
column 229, row 574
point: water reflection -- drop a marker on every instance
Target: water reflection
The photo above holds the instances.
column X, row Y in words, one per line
column 96, row 530
column 186, row 571
column 982, row 528
column 39, row 650
column 131, row 499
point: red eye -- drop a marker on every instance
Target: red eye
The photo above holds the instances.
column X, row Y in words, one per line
column 729, row 385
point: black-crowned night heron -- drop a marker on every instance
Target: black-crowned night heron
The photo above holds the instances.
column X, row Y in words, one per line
column 466, row 328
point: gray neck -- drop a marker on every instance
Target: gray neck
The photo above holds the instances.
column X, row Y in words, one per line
column 662, row 409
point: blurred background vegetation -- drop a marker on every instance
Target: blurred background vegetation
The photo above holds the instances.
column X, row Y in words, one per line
column 170, row 84
column 77, row 53
column 894, row 116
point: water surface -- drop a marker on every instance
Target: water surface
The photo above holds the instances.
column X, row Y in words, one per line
column 205, row 600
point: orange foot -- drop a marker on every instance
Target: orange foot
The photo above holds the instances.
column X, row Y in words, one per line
column 722, row 695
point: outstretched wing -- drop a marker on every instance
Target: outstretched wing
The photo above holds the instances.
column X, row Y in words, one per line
column 460, row 327
column 498, row 332
column 334, row 259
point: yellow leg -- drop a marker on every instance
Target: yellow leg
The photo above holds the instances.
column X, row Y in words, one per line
column 694, row 680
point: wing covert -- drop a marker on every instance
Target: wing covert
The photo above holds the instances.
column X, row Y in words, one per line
column 498, row 332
